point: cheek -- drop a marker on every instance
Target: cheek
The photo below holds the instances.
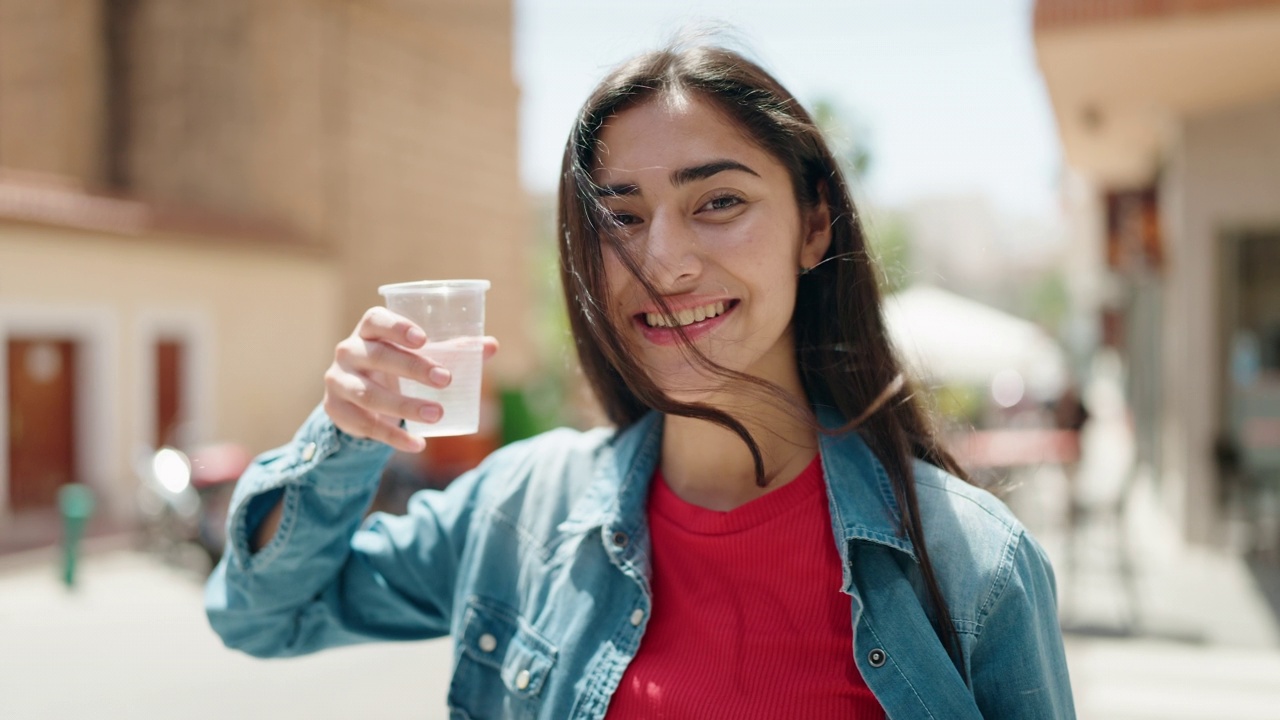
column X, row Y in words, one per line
column 621, row 288
column 615, row 274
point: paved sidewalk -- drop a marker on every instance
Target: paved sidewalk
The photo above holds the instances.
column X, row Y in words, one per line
column 1196, row 639
column 132, row 642
column 1145, row 679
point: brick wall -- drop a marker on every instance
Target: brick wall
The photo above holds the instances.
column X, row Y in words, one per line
column 51, row 87
column 385, row 129
column 382, row 129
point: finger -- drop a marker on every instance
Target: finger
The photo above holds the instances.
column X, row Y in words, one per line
column 384, row 363
column 380, row 323
column 391, row 360
column 491, row 346
column 383, row 429
column 368, row 396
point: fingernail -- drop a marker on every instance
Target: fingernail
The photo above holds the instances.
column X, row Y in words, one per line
column 431, row 413
column 415, row 335
column 439, row 376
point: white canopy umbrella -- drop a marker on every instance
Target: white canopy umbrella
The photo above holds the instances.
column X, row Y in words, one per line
column 946, row 338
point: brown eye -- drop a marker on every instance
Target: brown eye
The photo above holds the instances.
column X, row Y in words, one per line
column 622, row 218
column 722, row 202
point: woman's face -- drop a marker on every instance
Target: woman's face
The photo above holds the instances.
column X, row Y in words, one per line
column 714, row 223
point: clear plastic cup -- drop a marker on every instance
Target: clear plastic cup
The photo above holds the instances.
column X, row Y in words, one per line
column 451, row 313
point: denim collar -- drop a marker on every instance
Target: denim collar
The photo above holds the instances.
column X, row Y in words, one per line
column 860, row 495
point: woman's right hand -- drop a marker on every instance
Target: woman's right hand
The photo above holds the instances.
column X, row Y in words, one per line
column 362, row 386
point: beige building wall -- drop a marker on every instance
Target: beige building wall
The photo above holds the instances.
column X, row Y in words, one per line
column 258, row 325
column 1223, row 176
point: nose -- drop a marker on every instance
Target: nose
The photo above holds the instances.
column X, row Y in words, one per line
column 673, row 257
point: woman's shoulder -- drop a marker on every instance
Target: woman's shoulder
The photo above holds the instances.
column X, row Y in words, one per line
column 558, row 441
column 975, row 510
column 541, row 476
column 979, row 548
column 554, row 453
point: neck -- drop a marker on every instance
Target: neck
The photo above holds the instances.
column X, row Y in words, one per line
column 710, row 466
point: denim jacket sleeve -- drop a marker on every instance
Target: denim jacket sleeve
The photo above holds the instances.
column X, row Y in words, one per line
column 329, row 577
column 1018, row 663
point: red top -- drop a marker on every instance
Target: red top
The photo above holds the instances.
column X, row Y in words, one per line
column 748, row 617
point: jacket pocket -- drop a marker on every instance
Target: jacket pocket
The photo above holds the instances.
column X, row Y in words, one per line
column 503, row 664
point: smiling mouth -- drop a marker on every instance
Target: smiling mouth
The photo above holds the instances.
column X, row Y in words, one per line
column 688, row 316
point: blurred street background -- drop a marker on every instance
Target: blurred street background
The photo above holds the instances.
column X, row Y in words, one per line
column 1075, row 203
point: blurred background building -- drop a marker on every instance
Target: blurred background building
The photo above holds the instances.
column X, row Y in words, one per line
column 199, row 198
column 1169, row 116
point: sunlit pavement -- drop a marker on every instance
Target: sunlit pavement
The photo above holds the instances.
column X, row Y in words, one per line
column 1195, row 638
column 131, row 641
column 1145, row 679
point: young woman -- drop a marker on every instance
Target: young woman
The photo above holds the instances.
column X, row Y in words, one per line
column 770, row 529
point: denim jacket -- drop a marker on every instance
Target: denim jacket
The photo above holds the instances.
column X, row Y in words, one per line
column 537, row 563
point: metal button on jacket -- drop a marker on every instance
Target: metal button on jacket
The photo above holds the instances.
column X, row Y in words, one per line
column 522, row 680
column 620, row 539
column 637, row 617
column 308, row 452
column 876, row 657
column 488, row 643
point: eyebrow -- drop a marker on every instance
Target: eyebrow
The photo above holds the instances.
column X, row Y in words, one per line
column 682, row 176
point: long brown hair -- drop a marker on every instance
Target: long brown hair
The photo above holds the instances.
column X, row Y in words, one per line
column 842, row 349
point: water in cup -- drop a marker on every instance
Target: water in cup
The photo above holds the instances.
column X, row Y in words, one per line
column 460, row 399
column 451, row 313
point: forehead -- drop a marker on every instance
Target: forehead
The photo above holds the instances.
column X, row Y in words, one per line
column 669, row 133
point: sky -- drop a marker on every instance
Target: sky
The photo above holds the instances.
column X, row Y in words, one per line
column 949, row 91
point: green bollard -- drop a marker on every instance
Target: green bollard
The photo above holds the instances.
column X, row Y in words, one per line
column 76, row 503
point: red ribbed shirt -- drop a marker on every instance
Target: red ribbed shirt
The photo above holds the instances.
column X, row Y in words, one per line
column 748, row 617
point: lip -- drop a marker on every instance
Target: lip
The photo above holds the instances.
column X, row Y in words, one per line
column 669, row 336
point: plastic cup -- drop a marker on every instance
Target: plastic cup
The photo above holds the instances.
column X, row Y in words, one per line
column 451, row 313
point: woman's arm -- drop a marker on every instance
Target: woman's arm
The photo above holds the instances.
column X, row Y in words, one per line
column 1018, row 664
column 324, row 576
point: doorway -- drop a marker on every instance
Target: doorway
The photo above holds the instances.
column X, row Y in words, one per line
column 41, row 420
column 1247, row 450
column 171, row 410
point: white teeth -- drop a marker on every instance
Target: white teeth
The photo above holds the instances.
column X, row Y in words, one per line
column 685, row 317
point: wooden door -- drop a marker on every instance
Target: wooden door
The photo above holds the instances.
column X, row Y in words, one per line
column 41, row 421
column 170, row 408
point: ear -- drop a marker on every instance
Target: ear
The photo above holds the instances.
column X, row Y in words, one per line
column 817, row 230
